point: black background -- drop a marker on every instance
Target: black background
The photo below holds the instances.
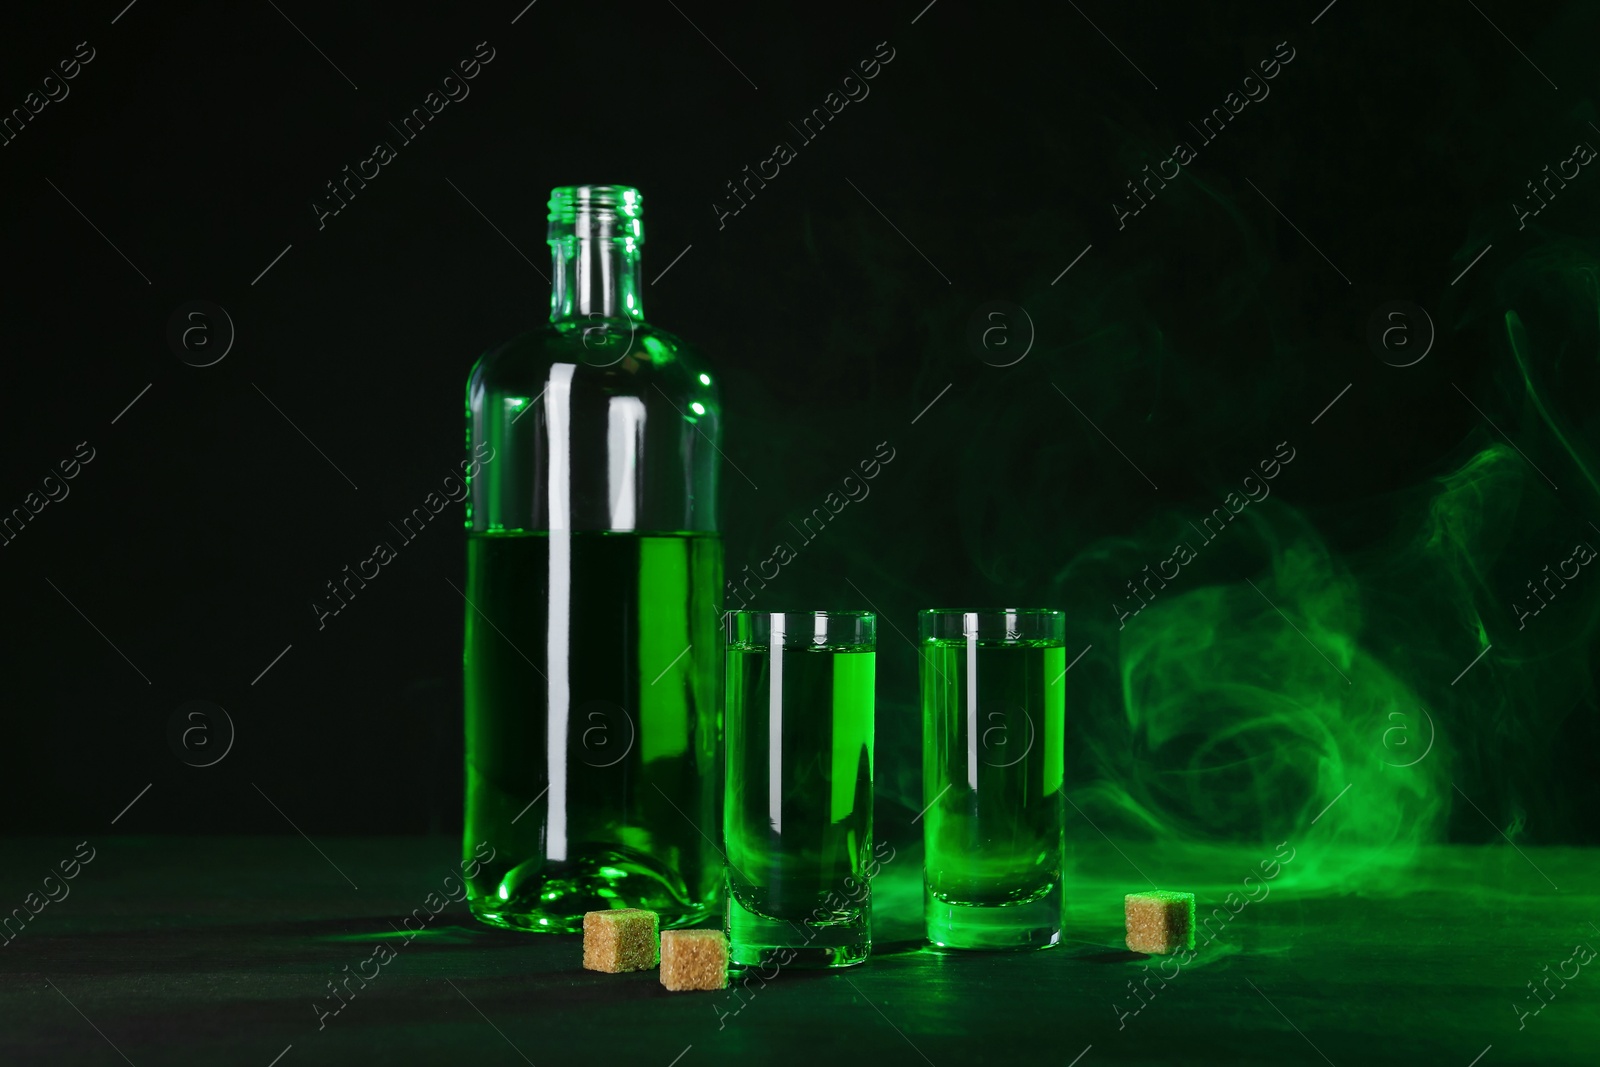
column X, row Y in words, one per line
column 837, row 307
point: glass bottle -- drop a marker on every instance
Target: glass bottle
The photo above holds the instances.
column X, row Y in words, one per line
column 594, row 575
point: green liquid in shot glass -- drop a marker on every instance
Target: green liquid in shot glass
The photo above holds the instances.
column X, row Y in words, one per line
column 993, row 720
column 798, row 804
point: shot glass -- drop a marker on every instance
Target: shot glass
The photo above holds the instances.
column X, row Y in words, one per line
column 993, row 716
column 797, row 812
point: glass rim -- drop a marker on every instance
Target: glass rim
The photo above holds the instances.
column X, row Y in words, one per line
column 991, row 611
column 750, row 630
column 748, row 613
column 1005, row 625
column 623, row 199
column 595, row 212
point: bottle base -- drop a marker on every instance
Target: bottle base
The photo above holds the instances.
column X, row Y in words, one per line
column 495, row 913
column 994, row 927
column 763, row 942
column 552, row 896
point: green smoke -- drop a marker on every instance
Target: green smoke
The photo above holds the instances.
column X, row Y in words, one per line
column 1287, row 692
column 1365, row 678
column 1244, row 710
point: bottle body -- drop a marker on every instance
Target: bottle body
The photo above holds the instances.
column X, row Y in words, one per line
column 592, row 670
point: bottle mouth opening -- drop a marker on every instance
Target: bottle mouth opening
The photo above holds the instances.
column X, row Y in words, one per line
column 596, row 211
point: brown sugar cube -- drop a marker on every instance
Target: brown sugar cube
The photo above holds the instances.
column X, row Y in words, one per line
column 694, row 959
column 1160, row 922
column 623, row 939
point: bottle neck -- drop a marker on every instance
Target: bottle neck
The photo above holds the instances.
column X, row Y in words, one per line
column 595, row 278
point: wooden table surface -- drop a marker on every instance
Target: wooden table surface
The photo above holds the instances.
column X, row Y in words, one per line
column 177, row 951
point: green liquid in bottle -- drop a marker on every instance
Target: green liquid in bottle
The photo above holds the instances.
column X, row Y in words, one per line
column 587, row 774
column 798, row 805
column 993, row 718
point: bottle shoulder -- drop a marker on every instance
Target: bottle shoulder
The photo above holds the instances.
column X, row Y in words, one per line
column 625, row 358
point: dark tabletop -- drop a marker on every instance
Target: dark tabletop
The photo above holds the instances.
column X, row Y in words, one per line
column 181, row 951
